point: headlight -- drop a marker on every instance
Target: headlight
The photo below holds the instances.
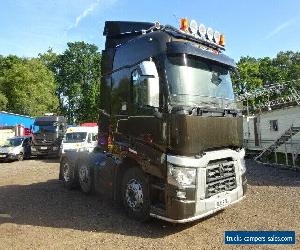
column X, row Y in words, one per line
column 181, row 176
column 54, row 148
column 243, row 165
column 242, row 161
column 33, row 149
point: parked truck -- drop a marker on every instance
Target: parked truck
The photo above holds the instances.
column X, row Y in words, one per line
column 48, row 132
column 170, row 135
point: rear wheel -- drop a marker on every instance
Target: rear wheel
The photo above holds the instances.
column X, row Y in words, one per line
column 135, row 194
column 68, row 175
column 85, row 178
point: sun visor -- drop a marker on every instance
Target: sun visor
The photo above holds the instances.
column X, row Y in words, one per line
column 188, row 48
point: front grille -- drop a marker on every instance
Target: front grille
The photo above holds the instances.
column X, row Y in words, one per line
column 43, row 141
column 220, row 177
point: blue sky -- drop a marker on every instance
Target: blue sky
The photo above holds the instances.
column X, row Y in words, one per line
column 255, row 28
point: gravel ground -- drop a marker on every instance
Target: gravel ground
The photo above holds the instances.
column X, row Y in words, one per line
column 36, row 212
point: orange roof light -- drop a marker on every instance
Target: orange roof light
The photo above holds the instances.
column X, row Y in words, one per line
column 184, row 24
column 222, row 40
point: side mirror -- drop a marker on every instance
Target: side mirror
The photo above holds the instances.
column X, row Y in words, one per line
column 150, row 78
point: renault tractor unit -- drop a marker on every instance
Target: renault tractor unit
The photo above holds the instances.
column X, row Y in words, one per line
column 170, row 134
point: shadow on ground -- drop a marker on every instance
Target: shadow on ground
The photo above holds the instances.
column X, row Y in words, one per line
column 268, row 175
column 48, row 204
column 47, row 159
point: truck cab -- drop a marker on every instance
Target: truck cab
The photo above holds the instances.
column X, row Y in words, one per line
column 170, row 134
column 47, row 133
column 80, row 139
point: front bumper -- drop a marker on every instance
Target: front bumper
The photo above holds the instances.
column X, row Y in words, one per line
column 44, row 152
column 194, row 217
column 8, row 157
column 197, row 204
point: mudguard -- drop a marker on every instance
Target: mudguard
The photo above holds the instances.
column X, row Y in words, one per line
column 103, row 166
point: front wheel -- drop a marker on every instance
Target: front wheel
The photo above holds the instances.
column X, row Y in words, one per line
column 135, row 194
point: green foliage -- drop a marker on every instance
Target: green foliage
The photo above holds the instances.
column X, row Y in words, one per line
column 263, row 71
column 79, row 82
column 51, row 60
column 29, row 87
column 3, row 101
column 67, row 83
column 248, row 68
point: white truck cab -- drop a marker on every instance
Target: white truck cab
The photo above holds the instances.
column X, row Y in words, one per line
column 80, row 139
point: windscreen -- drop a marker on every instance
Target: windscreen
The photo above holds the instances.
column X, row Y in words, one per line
column 75, row 137
column 44, row 127
column 194, row 81
column 13, row 142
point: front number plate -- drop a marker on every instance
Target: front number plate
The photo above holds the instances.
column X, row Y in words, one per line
column 43, row 148
column 222, row 202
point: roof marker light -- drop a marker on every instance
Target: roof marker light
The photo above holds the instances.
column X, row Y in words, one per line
column 217, row 36
column 222, row 40
column 202, row 30
column 193, row 27
column 210, row 33
column 184, row 24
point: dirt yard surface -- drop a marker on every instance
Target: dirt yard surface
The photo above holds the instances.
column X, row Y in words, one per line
column 36, row 212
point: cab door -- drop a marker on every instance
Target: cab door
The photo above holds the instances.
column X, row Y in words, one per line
column 91, row 141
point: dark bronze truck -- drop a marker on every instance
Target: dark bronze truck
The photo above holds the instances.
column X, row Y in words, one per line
column 170, row 135
column 47, row 134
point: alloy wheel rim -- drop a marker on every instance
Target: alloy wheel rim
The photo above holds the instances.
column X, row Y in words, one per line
column 134, row 195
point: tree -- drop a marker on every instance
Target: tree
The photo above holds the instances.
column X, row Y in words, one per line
column 51, row 60
column 29, row 87
column 250, row 79
column 3, row 101
column 268, row 72
column 6, row 63
column 79, row 82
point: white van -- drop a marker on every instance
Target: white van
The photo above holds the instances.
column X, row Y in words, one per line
column 80, row 139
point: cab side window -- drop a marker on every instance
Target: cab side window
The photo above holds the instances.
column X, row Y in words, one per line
column 139, row 89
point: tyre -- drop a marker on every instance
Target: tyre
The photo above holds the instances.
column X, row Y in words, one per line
column 85, row 177
column 20, row 157
column 135, row 194
column 68, row 174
